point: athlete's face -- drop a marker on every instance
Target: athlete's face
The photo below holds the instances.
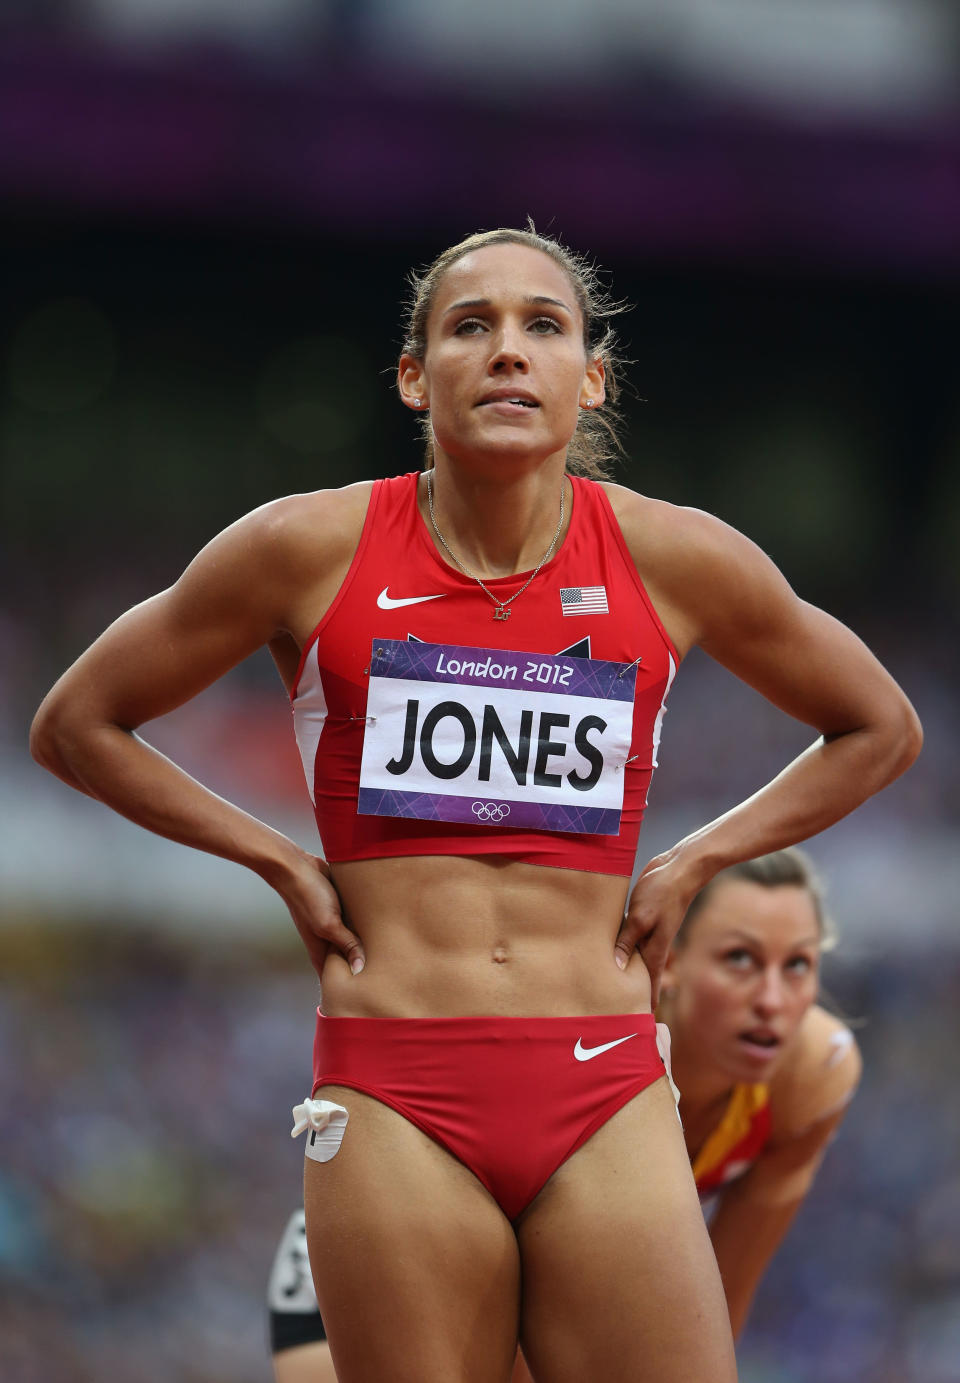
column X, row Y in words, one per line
column 745, row 976
column 505, row 369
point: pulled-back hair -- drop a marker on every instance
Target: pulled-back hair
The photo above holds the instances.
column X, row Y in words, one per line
column 789, row 866
column 596, row 441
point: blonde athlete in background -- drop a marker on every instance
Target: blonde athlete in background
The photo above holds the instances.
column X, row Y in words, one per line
column 478, row 658
column 766, row 1076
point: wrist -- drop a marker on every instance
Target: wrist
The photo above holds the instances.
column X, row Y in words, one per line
column 279, row 862
column 695, row 860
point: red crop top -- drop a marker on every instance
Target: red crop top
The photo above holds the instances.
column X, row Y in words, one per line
column 464, row 745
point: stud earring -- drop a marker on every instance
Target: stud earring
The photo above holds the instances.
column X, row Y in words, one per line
column 416, row 403
column 589, row 403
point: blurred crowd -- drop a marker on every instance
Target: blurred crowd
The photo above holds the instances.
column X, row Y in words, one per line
column 147, row 1166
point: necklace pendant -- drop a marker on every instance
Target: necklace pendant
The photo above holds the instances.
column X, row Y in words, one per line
column 501, row 612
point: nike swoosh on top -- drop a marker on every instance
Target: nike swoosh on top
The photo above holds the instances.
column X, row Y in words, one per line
column 387, row 602
column 583, row 1053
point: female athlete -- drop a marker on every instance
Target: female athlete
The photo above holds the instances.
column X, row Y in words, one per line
column 478, row 658
column 766, row 1076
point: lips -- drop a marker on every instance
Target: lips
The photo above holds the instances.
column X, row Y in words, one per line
column 514, row 398
column 762, row 1044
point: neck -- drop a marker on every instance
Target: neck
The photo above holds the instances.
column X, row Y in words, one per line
column 498, row 524
column 700, row 1093
column 702, row 1086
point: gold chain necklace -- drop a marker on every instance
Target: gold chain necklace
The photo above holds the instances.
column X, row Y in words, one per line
column 501, row 610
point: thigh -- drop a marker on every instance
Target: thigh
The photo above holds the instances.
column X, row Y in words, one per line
column 619, row 1277
column 415, row 1266
column 305, row 1364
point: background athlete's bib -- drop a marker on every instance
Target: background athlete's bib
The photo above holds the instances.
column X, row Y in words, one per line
column 482, row 735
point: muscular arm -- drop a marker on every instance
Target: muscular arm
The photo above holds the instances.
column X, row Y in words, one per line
column 757, row 1211
column 714, row 587
column 234, row 597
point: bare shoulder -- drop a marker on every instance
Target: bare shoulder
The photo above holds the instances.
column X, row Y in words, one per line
column 297, row 543
column 320, row 526
column 698, row 570
column 266, row 578
column 655, row 526
column 819, row 1077
column 271, row 571
column 713, row 587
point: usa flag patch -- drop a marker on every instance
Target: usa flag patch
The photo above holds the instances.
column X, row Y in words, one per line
column 584, row 600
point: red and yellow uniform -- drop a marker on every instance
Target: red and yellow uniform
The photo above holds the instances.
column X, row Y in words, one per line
column 737, row 1141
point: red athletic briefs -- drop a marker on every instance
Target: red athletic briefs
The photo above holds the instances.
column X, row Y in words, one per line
column 511, row 1098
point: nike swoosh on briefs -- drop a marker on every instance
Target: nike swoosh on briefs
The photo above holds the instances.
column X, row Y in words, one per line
column 588, row 1053
column 387, row 602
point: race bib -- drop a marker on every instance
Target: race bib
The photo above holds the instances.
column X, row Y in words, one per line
column 480, row 735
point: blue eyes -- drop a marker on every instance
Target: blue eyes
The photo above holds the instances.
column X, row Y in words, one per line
column 739, row 958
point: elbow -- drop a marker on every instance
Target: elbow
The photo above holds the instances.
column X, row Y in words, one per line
column 890, row 741
column 58, row 734
column 903, row 735
column 65, row 740
column 911, row 737
column 44, row 739
column 66, row 737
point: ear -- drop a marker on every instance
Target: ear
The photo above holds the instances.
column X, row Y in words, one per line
column 411, row 383
column 593, row 390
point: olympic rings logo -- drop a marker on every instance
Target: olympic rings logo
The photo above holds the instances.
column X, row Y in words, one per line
column 491, row 811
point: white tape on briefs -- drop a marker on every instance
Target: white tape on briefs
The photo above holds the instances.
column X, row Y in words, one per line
column 325, row 1122
column 663, row 1047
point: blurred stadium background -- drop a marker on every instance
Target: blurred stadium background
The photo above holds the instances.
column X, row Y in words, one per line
column 208, row 208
